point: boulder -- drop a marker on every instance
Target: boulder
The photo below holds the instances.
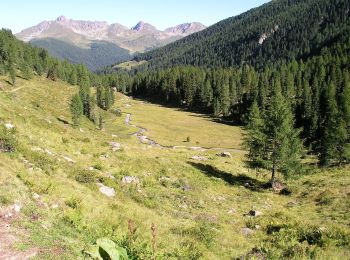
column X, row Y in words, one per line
column 130, row 180
column 115, row 146
column 255, row 213
column 225, row 154
column 108, row 191
column 9, row 126
column 247, row 231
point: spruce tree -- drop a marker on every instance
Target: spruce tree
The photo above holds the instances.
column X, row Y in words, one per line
column 283, row 146
column 255, row 137
column 76, row 108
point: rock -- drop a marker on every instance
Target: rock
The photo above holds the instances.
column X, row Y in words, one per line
column 9, row 126
column 35, row 195
column 247, row 231
column 224, row 154
column 68, row 159
column 278, row 186
column 91, row 168
column 110, row 176
column 186, row 187
column 231, row 211
column 255, row 213
column 130, row 180
column 128, row 105
column 108, row 191
column 115, row 146
column 54, row 206
column 81, row 130
column 199, row 158
column 114, row 136
column 17, row 207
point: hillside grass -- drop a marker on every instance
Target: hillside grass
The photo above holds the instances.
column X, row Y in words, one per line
column 198, row 207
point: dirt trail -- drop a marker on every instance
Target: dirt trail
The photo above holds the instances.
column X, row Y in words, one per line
column 146, row 140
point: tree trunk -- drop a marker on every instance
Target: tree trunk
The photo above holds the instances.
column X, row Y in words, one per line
column 273, row 176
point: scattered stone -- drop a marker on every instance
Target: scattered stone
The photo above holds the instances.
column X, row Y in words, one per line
column 225, row 154
column 115, row 146
column 35, row 195
column 255, row 213
column 81, row 130
column 17, row 207
column 110, row 176
column 9, row 126
column 114, row 136
column 231, row 211
column 186, row 187
column 108, row 191
column 199, row 158
column 278, row 186
column 128, row 105
column 130, row 180
column 91, row 168
column 54, row 206
column 68, row 159
column 247, row 231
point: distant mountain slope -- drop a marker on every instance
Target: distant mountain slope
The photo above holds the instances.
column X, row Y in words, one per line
column 281, row 29
column 98, row 55
column 72, row 39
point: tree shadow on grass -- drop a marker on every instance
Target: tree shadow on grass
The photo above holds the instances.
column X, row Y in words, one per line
column 235, row 180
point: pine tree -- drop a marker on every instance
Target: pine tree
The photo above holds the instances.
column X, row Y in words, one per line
column 335, row 136
column 283, row 146
column 76, row 108
column 255, row 137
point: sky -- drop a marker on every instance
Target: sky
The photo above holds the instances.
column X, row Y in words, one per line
column 20, row 14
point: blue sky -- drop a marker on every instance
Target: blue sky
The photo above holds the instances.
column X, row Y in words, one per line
column 20, row 14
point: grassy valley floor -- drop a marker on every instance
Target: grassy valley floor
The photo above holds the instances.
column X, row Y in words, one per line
column 200, row 204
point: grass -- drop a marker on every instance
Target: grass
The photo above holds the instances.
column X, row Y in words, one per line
column 198, row 207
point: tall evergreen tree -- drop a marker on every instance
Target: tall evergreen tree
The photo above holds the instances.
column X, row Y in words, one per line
column 76, row 108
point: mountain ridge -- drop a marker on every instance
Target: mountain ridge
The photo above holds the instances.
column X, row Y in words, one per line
column 116, row 33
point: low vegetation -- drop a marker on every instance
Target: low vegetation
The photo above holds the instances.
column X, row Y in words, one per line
column 212, row 208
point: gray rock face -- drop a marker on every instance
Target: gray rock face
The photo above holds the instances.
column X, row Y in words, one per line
column 108, row 191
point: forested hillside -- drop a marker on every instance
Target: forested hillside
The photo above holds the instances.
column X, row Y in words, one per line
column 279, row 30
column 305, row 57
column 100, row 53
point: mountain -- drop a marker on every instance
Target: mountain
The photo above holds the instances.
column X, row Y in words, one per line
column 68, row 34
column 278, row 30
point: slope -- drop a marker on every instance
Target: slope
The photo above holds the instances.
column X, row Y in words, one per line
column 97, row 55
column 199, row 202
column 273, row 32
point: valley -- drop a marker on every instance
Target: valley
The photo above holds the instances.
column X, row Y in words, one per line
column 198, row 201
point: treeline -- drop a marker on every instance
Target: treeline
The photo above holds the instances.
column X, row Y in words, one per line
column 18, row 59
column 317, row 91
column 277, row 31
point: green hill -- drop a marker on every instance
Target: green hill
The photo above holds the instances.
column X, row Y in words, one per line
column 100, row 54
column 278, row 30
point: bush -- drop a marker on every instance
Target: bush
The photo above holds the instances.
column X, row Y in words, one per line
column 85, row 176
column 8, row 141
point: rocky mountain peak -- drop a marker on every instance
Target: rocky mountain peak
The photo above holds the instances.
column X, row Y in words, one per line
column 143, row 26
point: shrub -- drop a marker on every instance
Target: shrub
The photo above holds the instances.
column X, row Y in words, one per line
column 85, row 176
column 8, row 141
column 73, row 202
